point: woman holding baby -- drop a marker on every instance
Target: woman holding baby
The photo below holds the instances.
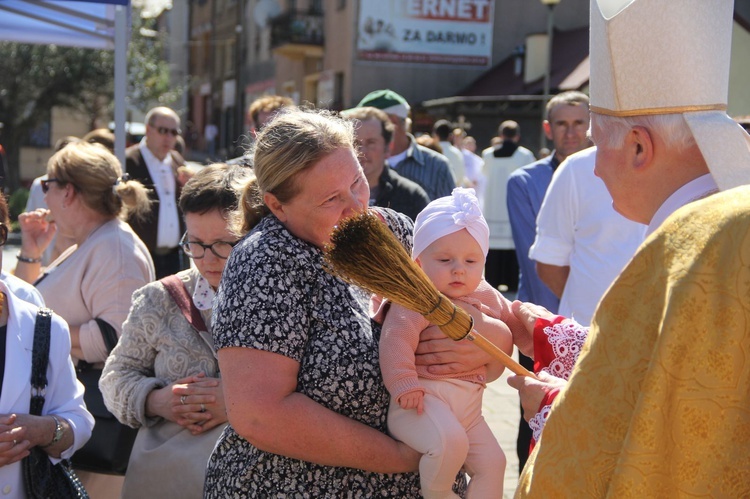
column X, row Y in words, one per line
column 297, row 349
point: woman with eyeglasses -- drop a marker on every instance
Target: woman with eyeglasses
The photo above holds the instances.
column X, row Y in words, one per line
column 163, row 376
column 90, row 283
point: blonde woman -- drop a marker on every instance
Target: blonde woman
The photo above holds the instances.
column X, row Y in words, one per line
column 298, row 353
column 89, row 284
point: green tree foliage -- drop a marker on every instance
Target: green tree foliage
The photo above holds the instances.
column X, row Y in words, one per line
column 36, row 78
column 148, row 72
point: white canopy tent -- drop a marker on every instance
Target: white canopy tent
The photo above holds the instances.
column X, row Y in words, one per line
column 100, row 24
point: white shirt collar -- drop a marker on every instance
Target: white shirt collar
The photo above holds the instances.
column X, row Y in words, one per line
column 692, row 191
column 203, row 294
column 165, row 184
column 393, row 161
column 149, row 156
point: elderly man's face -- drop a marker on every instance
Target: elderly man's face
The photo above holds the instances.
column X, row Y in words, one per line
column 611, row 167
column 161, row 135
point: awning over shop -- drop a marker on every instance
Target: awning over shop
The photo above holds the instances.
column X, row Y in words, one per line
column 79, row 24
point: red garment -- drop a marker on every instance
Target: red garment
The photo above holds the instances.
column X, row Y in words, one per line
column 543, row 353
column 557, row 344
column 543, row 412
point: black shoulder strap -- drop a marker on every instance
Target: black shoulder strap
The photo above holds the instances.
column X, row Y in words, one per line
column 176, row 289
column 109, row 335
column 40, row 359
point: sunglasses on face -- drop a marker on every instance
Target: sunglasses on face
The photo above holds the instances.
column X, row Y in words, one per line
column 45, row 184
column 164, row 130
column 3, row 234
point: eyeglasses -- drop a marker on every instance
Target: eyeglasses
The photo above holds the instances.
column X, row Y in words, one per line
column 45, row 183
column 196, row 250
column 3, row 234
column 164, row 130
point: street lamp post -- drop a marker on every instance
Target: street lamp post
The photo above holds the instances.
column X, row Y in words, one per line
column 239, row 93
column 545, row 96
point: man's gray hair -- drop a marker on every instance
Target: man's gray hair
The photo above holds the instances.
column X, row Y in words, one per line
column 671, row 128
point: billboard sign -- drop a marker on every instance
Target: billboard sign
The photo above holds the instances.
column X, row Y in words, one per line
column 457, row 32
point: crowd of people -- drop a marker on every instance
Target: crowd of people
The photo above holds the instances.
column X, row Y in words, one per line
column 243, row 367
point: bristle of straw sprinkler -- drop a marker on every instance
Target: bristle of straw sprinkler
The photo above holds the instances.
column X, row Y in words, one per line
column 364, row 252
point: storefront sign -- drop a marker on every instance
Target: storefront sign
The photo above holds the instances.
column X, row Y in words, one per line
column 426, row 31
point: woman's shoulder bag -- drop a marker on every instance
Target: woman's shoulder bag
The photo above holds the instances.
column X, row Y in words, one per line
column 42, row 479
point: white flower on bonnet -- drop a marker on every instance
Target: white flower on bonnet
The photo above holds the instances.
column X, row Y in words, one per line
column 450, row 214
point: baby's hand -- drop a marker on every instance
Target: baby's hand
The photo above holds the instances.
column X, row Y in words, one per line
column 412, row 400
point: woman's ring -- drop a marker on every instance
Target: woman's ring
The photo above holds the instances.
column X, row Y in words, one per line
column 203, row 408
column 182, row 399
column 15, row 442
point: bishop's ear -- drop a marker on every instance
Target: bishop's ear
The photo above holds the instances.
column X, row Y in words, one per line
column 641, row 146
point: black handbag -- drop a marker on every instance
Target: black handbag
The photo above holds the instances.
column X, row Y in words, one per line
column 108, row 449
column 41, row 478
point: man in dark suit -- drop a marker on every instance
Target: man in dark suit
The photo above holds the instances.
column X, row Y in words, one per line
column 154, row 163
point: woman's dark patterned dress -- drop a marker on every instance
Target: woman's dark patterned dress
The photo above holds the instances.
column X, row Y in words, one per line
column 275, row 296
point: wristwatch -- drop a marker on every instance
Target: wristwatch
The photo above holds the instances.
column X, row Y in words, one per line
column 58, row 432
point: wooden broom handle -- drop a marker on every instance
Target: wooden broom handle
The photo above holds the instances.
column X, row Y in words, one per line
column 498, row 354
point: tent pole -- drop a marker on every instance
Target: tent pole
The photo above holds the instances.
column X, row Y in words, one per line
column 121, row 68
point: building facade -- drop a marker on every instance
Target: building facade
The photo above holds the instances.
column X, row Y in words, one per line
column 330, row 53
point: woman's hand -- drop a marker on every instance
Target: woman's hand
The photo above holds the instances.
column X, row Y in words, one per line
column 13, row 443
column 195, row 402
column 36, row 232
column 443, row 355
column 203, row 406
column 528, row 313
column 532, row 391
column 39, row 430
